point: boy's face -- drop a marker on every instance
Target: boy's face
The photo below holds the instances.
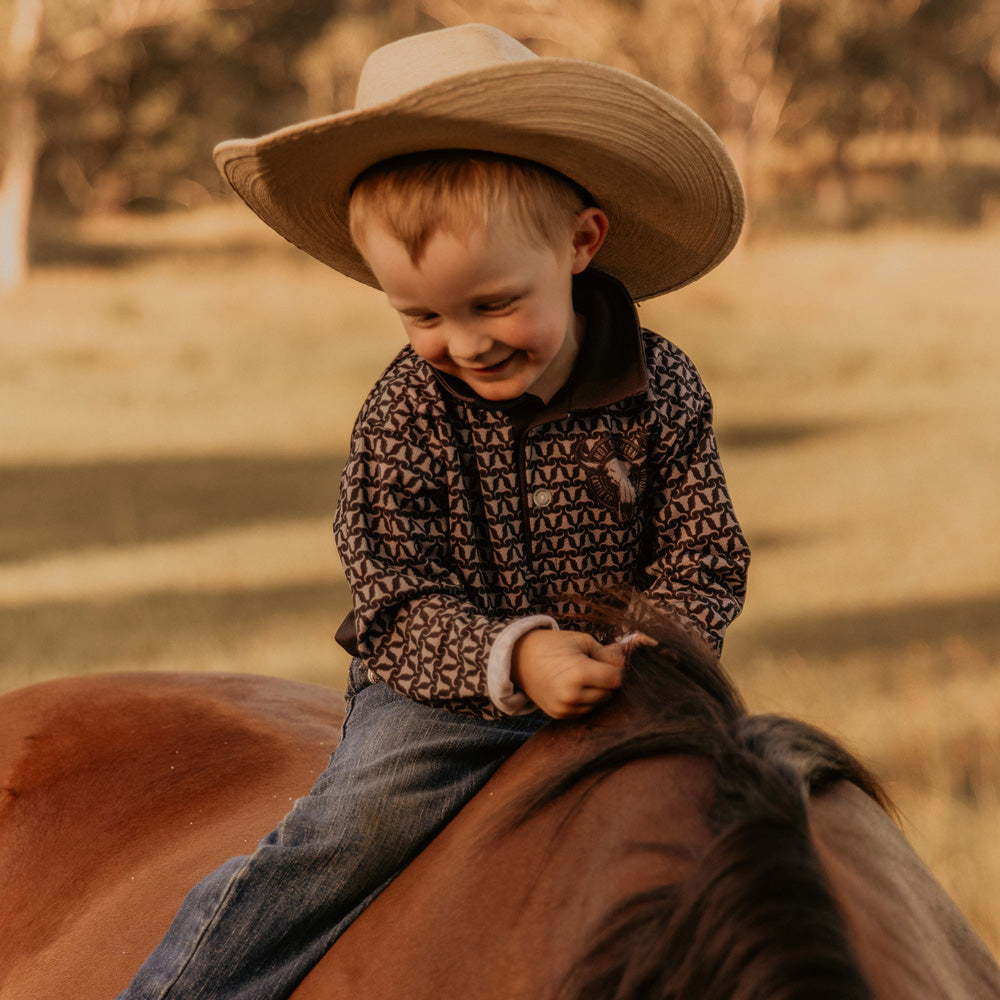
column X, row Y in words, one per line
column 492, row 308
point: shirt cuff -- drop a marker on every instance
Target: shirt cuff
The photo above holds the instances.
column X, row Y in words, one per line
column 503, row 694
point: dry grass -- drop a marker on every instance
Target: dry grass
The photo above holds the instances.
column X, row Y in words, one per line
column 176, row 405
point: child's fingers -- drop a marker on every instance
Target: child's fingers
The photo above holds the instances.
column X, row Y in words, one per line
column 604, row 674
column 590, row 682
column 593, row 695
column 566, row 673
column 614, row 655
column 583, row 701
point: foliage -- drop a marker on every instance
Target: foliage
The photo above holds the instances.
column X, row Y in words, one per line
column 132, row 114
column 892, row 65
column 134, row 93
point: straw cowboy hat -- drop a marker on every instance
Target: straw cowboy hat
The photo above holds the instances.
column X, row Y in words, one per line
column 663, row 177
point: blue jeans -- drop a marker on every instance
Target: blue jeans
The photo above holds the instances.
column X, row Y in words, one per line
column 254, row 928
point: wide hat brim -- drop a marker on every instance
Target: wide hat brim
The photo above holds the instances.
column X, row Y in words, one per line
column 672, row 195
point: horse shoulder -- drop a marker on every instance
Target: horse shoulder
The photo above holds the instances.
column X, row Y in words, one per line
column 912, row 941
column 118, row 793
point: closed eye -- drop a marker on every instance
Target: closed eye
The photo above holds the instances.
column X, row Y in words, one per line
column 496, row 307
column 421, row 318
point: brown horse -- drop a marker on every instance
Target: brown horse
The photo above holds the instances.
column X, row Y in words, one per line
column 668, row 846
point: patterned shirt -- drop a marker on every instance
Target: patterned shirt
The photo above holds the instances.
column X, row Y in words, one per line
column 458, row 517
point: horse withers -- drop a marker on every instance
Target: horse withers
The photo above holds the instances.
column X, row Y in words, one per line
column 669, row 845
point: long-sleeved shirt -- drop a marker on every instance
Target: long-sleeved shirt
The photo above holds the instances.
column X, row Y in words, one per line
column 460, row 519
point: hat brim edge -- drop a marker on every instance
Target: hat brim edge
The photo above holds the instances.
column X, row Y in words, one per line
column 307, row 206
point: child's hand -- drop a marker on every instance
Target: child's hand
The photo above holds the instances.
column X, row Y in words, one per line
column 566, row 673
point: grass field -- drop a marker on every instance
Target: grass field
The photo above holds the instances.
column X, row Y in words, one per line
column 175, row 403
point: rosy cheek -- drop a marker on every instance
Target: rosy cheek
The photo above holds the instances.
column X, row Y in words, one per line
column 421, row 343
column 433, row 353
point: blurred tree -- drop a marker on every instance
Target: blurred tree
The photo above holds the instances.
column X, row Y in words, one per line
column 133, row 94
column 738, row 67
column 328, row 65
column 719, row 56
column 910, row 77
column 676, row 44
column 134, row 124
column 108, row 104
column 892, row 65
column 42, row 39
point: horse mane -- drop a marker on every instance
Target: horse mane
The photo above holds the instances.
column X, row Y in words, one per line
column 756, row 919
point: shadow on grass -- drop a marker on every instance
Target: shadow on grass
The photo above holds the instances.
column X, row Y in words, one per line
column 976, row 621
column 168, row 626
column 779, row 434
column 81, row 635
column 46, row 509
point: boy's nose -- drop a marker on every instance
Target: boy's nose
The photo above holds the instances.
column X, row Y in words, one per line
column 468, row 345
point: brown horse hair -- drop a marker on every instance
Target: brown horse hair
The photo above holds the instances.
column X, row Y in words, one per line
column 756, row 919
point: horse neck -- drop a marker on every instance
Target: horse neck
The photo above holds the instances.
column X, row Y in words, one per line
column 910, row 938
column 493, row 908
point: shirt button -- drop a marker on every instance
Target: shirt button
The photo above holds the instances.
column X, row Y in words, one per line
column 541, row 498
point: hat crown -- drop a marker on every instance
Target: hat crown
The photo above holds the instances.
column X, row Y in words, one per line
column 408, row 64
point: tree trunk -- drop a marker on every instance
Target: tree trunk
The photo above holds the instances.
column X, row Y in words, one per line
column 17, row 184
column 16, row 191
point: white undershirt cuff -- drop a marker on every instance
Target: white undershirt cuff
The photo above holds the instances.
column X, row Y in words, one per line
column 501, row 688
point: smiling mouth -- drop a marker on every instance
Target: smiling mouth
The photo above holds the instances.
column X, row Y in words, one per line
column 494, row 369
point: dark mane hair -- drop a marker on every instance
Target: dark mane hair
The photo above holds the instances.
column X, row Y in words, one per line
column 756, row 919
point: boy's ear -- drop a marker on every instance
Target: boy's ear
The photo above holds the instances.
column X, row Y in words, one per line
column 591, row 228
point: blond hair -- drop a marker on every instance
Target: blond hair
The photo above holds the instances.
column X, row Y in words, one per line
column 419, row 195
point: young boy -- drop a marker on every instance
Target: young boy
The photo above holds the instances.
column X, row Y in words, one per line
column 532, row 450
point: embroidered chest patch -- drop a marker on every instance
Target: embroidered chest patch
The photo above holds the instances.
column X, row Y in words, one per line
column 615, row 472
